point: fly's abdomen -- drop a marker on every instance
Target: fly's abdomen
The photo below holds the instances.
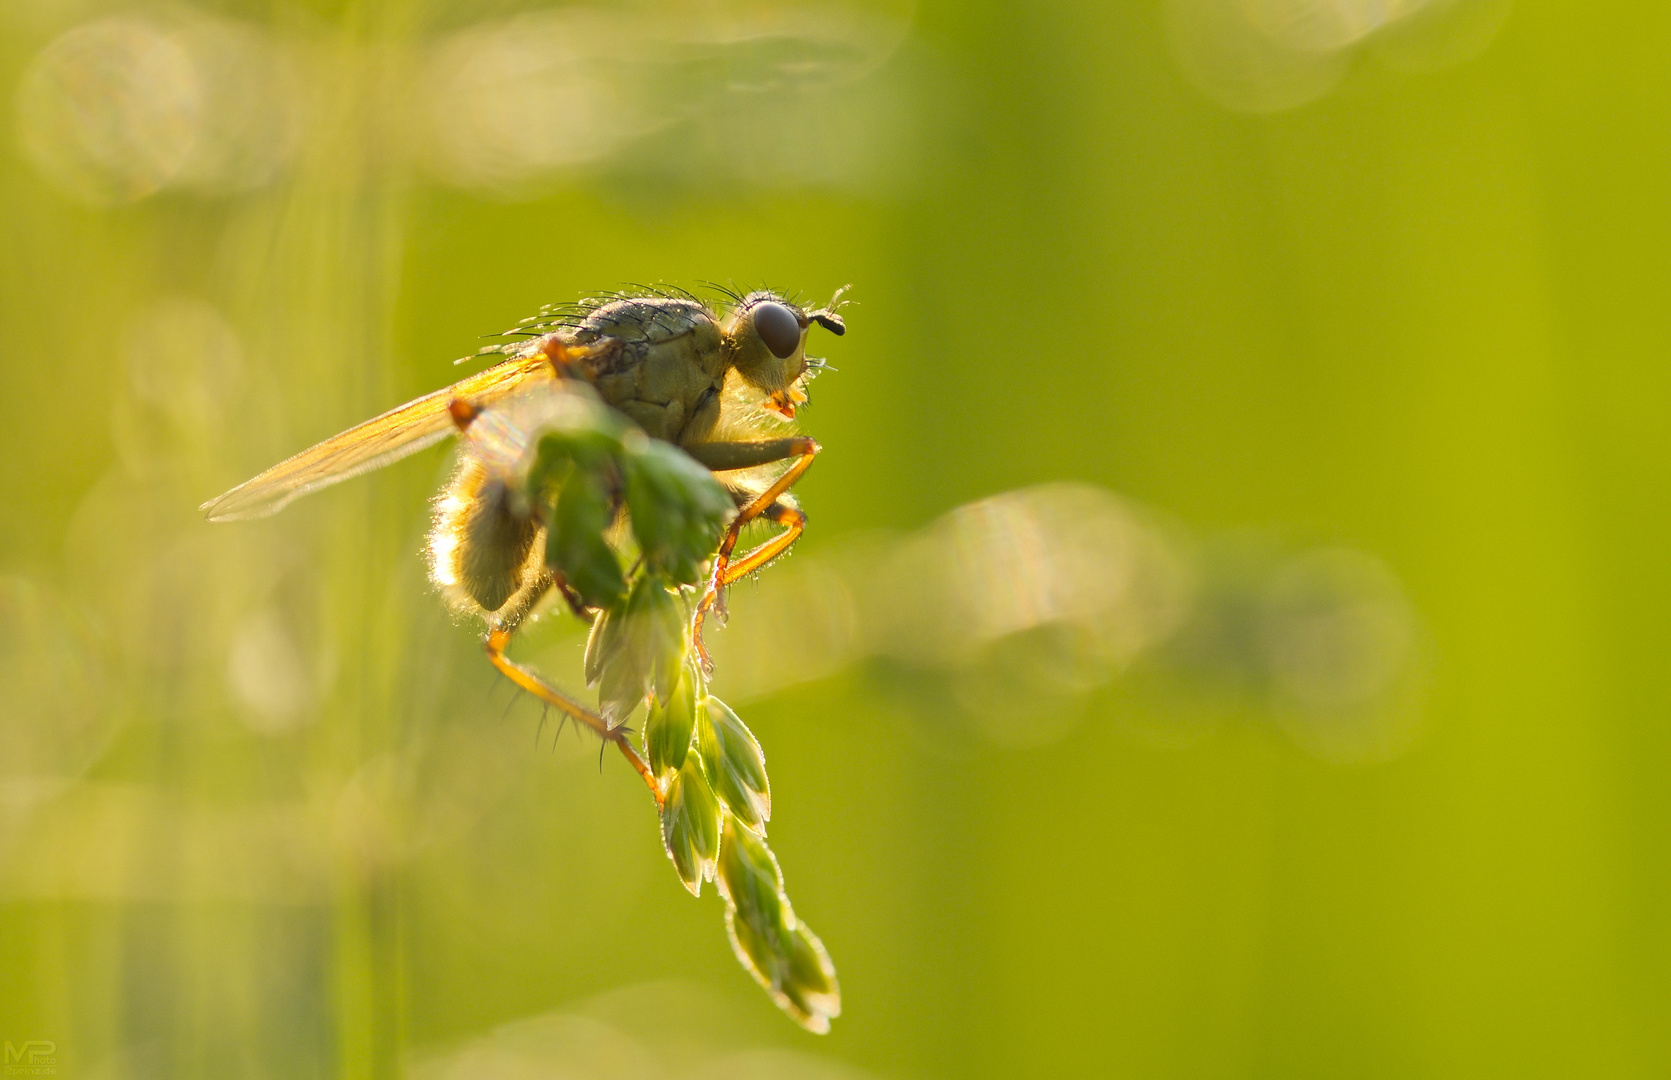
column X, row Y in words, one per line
column 482, row 544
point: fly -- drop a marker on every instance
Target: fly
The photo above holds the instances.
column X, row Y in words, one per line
column 655, row 412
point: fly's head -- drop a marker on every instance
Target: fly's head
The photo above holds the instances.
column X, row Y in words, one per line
column 765, row 340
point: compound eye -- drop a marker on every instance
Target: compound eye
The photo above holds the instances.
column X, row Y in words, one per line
column 778, row 328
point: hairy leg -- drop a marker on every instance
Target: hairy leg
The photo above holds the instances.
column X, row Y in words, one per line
column 499, row 639
column 724, row 456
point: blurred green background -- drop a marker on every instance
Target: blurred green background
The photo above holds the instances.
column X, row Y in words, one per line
column 1381, row 281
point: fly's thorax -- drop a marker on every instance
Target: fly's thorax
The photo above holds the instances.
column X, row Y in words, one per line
column 668, row 369
column 635, row 320
column 483, row 544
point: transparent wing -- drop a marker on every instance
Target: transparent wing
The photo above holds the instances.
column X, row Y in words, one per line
column 376, row 442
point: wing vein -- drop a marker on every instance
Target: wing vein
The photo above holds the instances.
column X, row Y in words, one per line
column 372, row 444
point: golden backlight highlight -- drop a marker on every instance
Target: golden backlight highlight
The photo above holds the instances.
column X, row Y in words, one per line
column 462, row 511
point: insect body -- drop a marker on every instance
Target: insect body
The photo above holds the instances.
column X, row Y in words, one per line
column 612, row 418
column 663, row 361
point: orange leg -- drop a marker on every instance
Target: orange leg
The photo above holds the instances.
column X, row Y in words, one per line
column 525, row 678
column 804, row 450
column 793, row 522
column 765, row 505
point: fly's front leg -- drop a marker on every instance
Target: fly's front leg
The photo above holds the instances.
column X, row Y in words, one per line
column 499, row 639
column 722, row 457
column 793, row 522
